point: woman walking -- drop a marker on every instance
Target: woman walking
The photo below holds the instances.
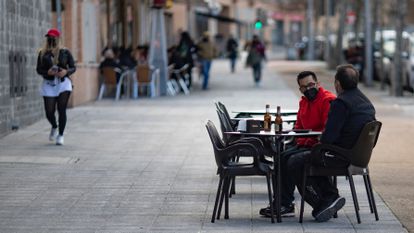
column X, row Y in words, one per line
column 255, row 57
column 55, row 63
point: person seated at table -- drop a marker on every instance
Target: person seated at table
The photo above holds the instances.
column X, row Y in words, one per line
column 312, row 114
column 349, row 112
column 110, row 61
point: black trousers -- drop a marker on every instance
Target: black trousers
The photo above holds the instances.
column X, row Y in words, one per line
column 319, row 189
column 287, row 183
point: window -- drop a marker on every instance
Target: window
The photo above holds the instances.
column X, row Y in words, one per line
column 17, row 71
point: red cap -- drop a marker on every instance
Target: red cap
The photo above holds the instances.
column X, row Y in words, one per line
column 53, row 33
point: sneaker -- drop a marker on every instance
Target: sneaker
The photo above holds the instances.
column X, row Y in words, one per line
column 59, row 140
column 285, row 211
column 53, row 134
column 328, row 212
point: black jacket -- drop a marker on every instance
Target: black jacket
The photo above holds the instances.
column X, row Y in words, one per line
column 65, row 61
column 348, row 114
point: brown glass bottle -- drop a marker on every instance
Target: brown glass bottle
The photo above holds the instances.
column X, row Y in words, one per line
column 267, row 122
column 278, row 121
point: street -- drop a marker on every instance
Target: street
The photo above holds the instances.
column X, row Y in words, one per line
column 147, row 165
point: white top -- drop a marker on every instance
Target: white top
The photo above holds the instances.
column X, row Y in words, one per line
column 52, row 88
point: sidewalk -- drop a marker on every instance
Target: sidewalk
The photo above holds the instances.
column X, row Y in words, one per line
column 147, row 165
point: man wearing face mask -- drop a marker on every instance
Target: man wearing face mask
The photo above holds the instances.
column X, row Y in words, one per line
column 348, row 114
column 313, row 113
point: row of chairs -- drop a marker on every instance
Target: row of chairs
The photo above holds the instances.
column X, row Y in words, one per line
column 141, row 76
column 144, row 76
column 227, row 151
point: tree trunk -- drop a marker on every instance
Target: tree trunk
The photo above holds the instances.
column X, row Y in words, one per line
column 368, row 44
column 338, row 55
column 396, row 82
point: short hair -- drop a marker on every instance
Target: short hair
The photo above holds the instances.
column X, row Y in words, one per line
column 347, row 76
column 305, row 74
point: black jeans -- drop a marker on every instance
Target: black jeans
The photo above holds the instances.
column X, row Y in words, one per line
column 287, row 183
column 319, row 189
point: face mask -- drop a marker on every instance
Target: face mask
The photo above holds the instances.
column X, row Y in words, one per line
column 311, row 93
column 51, row 42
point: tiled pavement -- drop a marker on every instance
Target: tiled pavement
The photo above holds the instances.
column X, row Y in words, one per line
column 148, row 166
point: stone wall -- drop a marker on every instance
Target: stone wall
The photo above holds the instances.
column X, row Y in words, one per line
column 22, row 28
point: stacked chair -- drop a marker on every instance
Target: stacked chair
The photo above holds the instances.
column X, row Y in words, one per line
column 228, row 167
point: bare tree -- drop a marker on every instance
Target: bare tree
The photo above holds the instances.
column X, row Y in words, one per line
column 338, row 55
column 396, row 83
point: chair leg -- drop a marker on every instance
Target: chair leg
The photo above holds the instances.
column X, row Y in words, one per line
column 183, row 86
column 269, row 192
column 354, row 196
column 101, row 91
column 118, row 90
column 223, row 191
column 233, row 186
column 335, row 184
column 368, row 193
column 226, row 200
column 219, row 188
column 135, row 90
column 374, row 205
column 302, row 200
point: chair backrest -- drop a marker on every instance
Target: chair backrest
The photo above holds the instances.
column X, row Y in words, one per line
column 224, row 109
column 362, row 150
column 218, row 144
column 144, row 73
column 109, row 75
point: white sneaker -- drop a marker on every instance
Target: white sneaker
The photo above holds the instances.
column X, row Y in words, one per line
column 53, row 134
column 59, row 140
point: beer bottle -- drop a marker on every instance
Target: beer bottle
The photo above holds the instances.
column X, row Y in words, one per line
column 278, row 121
column 267, row 119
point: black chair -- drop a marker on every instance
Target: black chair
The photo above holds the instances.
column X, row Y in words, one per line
column 227, row 168
column 220, row 106
column 358, row 157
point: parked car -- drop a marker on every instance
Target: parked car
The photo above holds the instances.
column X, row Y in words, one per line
column 407, row 54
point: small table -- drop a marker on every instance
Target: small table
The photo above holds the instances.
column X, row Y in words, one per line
column 249, row 113
column 277, row 139
column 288, row 119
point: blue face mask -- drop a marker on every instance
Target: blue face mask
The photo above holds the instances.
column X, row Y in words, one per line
column 311, row 93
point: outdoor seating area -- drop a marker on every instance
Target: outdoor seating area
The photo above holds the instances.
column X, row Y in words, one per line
column 248, row 152
column 142, row 81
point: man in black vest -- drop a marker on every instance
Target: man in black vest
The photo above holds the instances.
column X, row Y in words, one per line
column 348, row 114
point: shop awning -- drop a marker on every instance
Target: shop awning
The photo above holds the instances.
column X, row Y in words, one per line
column 219, row 17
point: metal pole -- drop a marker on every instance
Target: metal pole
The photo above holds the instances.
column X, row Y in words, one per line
column 58, row 15
column 368, row 45
column 327, row 29
column 311, row 44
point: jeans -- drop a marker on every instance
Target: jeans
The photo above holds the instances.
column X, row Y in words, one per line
column 233, row 64
column 257, row 72
column 319, row 189
column 206, row 65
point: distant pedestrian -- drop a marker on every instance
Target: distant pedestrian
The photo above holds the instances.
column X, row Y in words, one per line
column 256, row 54
column 232, row 47
column 206, row 52
column 55, row 63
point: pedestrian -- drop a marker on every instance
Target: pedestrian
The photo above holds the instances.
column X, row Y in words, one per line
column 312, row 114
column 183, row 54
column 206, row 51
column 232, row 47
column 256, row 54
column 55, row 63
column 348, row 114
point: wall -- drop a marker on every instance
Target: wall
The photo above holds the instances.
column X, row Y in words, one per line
column 22, row 28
